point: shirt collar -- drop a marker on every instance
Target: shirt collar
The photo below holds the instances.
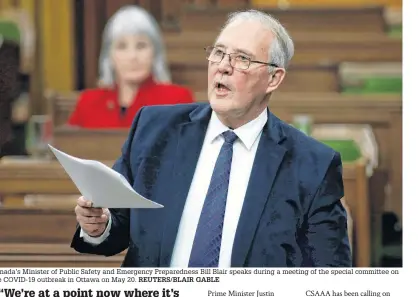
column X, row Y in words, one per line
column 247, row 133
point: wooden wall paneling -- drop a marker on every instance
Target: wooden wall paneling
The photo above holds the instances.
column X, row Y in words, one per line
column 92, row 41
column 219, row 3
column 146, row 4
column 113, row 5
column 170, row 14
column 57, row 45
column 156, row 10
column 330, row 3
column 202, row 3
column 377, row 207
column 153, row 7
column 394, row 3
column 232, row 3
column 362, row 212
column 395, row 193
column 6, row 4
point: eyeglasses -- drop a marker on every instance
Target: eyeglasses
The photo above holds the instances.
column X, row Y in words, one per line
column 236, row 60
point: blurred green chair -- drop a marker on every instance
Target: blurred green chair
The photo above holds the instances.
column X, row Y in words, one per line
column 383, row 85
column 395, row 31
column 371, row 77
column 23, row 32
column 352, row 141
column 348, row 148
column 376, row 85
column 10, row 31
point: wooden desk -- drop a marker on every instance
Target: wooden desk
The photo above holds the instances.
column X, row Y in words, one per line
column 51, row 255
column 90, row 143
column 358, row 206
column 198, row 39
column 60, row 106
column 296, row 19
column 55, row 222
column 310, row 48
column 299, row 78
column 43, row 177
column 25, row 224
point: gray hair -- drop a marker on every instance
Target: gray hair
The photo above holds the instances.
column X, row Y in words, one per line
column 132, row 19
column 282, row 48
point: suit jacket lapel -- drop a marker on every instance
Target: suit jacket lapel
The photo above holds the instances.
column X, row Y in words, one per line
column 190, row 136
column 266, row 164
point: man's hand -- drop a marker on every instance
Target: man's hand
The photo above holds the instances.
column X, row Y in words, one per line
column 92, row 220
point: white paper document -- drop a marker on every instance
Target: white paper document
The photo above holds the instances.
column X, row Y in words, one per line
column 100, row 184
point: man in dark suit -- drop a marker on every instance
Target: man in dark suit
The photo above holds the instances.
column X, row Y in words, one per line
column 240, row 188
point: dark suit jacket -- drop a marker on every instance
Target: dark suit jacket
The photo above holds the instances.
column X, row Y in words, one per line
column 292, row 215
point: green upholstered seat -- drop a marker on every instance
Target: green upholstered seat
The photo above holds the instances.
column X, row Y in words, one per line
column 383, row 85
column 352, row 90
column 9, row 31
column 348, row 149
column 377, row 85
column 395, row 31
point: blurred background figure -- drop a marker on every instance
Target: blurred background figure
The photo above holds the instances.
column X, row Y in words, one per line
column 133, row 73
column 8, row 79
column 16, row 57
column 9, row 72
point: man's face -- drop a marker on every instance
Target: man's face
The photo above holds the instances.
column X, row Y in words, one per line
column 238, row 95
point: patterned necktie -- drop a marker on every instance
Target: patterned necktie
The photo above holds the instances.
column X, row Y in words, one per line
column 208, row 238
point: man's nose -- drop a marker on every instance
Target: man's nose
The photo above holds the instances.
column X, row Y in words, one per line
column 225, row 66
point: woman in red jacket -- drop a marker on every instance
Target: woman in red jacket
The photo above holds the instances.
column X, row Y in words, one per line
column 133, row 73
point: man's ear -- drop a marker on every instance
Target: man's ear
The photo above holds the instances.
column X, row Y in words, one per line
column 276, row 79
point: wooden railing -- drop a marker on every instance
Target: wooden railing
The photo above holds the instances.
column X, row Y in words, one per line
column 52, row 220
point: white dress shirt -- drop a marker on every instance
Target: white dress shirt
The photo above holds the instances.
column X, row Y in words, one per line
column 244, row 150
